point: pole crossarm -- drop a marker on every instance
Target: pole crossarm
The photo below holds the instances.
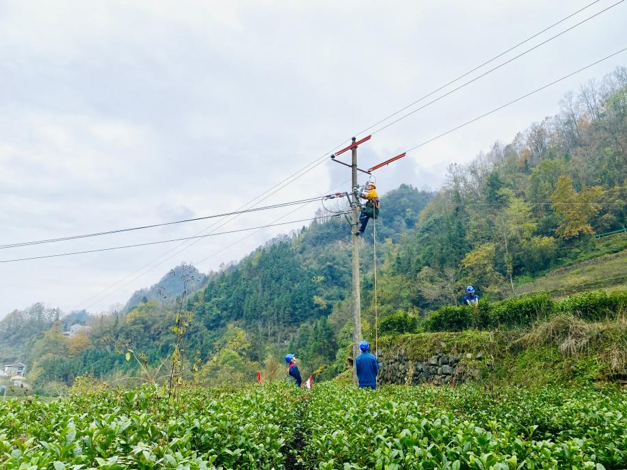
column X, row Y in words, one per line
column 387, row 162
column 351, row 146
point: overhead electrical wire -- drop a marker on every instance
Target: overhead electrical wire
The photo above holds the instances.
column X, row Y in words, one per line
column 477, row 68
column 164, row 224
column 450, row 92
column 516, row 100
column 160, row 260
column 276, row 220
column 158, row 242
column 204, row 259
column 307, row 168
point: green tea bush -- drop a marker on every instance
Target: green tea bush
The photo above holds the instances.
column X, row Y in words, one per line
column 400, row 322
column 595, row 305
column 139, row 429
column 450, row 319
column 465, row 428
column 524, row 310
column 277, row 426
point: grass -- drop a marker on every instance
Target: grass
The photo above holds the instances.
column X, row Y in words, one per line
column 608, row 271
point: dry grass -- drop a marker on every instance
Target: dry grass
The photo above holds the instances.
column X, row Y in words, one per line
column 573, row 337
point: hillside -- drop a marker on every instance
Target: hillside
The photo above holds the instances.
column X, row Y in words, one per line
column 605, row 271
column 182, row 280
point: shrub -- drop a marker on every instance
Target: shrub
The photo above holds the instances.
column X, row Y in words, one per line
column 523, row 310
column 400, row 322
column 595, row 305
column 450, row 319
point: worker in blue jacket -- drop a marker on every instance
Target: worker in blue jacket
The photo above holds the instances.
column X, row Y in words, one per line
column 367, row 367
column 292, row 369
column 471, row 298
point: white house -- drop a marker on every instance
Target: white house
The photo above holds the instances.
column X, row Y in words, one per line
column 76, row 329
column 11, row 370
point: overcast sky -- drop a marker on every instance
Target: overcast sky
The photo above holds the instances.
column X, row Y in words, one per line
column 122, row 113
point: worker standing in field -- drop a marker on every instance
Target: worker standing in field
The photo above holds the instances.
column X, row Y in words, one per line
column 293, row 373
column 471, row 298
column 371, row 210
column 367, row 367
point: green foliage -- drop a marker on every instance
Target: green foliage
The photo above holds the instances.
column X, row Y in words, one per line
column 180, row 281
column 522, row 311
column 138, row 429
column 335, row 426
column 400, row 322
column 525, row 310
column 451, row 319
column 595, row 305
column 465, row 428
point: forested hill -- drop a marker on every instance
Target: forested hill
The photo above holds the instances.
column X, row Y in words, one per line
column 182, row 279
column 523, row 208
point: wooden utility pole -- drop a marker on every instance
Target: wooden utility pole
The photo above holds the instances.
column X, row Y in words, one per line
column 356, row 274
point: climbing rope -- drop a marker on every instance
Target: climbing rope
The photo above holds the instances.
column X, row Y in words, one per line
column 376, row 313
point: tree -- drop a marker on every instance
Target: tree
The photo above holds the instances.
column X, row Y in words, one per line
column 478, row 266
column 515, row 226
column 575, row 209
column 52, row 344
column 78, row 343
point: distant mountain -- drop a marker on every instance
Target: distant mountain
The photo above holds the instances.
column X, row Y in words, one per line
column 170, row 287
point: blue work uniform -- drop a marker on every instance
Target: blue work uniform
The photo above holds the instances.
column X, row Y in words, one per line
column 367, row 369
column 295, row 374
column 470, row 299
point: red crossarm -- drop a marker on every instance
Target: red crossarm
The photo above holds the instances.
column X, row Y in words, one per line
column 387, row 162
column 353, row 145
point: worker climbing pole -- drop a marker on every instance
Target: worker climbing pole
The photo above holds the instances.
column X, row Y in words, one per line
column 363, row 213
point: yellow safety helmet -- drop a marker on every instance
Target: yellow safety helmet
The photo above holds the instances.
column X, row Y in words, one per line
column 372, row 184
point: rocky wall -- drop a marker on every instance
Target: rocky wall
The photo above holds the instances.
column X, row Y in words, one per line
column 438, row 369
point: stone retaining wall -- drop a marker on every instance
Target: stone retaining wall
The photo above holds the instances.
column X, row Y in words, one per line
column 438, row 369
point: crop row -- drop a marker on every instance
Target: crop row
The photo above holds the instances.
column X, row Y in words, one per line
column 333, row 427
column 465, row 428
column 140, row 430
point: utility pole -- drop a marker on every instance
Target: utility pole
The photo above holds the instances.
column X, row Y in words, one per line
column 356, row 274
column 355, row 207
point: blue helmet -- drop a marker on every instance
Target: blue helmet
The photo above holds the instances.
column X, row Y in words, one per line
column 470, row 290
column 364, row 346
column 288, row 358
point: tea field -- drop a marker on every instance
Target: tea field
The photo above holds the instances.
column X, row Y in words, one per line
column 334, row 427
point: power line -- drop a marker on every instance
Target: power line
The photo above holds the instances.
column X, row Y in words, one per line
column 143, row 227
column 516, row 100
column 14, row 245
column 204, row 259
column 183, row 248
column 136, row 245
column 276, row 220
column 477, row 67
column 405, row 116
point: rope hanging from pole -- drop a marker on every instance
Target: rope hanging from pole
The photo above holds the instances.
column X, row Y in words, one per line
column 376, row 312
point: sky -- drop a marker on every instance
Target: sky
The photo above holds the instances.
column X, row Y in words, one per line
column 115, row 114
